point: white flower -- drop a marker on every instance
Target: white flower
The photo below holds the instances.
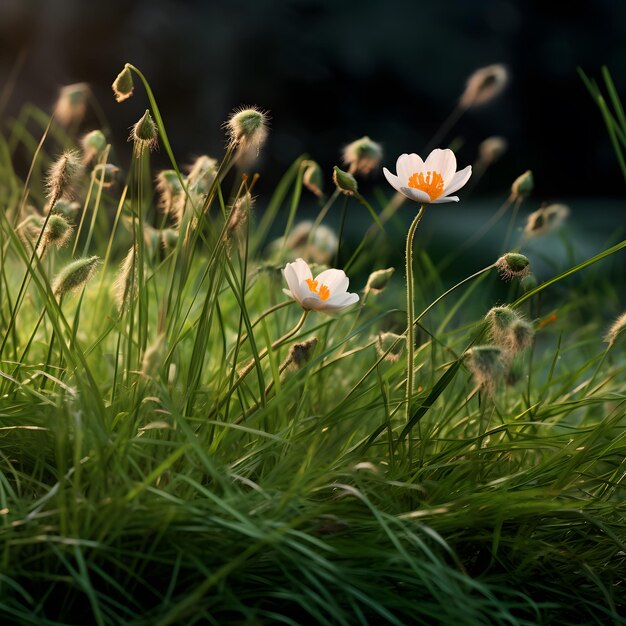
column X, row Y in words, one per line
column 430, row 181
column 327, row 292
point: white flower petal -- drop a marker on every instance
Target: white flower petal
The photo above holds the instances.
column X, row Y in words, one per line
column 335, row 280
column 348, row 300
column 288, row 292
column 458, row 180
column 312, row 303
column 415, row 194
column 442, row 161
column 393, row 180
column 443, row 199
column 302, row 269
column 292, row 279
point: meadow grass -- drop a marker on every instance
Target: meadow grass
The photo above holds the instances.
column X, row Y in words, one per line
column 168, row 457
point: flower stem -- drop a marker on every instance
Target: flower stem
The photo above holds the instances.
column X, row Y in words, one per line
column 410, row 312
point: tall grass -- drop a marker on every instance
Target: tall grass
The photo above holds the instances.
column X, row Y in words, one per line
column 163, row 462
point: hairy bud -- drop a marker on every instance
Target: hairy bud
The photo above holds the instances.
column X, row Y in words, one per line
column 513, row 265
column 123, row 85
column 345, row 182
column 362, row 156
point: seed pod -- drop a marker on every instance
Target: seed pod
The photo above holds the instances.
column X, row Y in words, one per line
column 345, row 182
column 123, row 85
column 75, row 275
column 513, row 265
column 362, row 156
column 379, row 279
column 248, row 128
column 484, row 85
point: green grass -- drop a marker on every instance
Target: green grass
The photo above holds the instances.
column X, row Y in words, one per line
column 144, row 479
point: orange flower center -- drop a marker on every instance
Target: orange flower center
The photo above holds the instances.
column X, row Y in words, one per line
column 430, row 182
column 322, row 291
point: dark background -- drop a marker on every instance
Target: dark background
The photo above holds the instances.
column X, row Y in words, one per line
column 330, row 71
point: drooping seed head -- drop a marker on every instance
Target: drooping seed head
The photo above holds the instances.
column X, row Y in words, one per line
column 58, row 232
column 545, row 220
column 300, row 353
column 521, row 336
column 169, row 188
column 389, row 346
column 75, row 275
column 509, row 330
column 345, row 182
column 238, row 217
column 66, row 207
column 312, row 178
column 71, row 105
column 492, row 149
column 123, row 85
column 513, row 265
column 523, row 185
column 486, row 365
column 484, row 85
column 106, row 174
column 125, row 285
column 362, row 156
column 202, row 173
column 93, row 144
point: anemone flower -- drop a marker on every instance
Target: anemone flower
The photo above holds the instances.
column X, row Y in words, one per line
column 431, row 181
column 328, row 292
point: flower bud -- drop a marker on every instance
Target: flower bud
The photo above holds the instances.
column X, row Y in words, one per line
column 247, row 128
column 491, row 149
column 345, row 182
column 528, row 282
column 484, row 85
column 523, row 185
column 616, row 330
column 74, row 275
column 93, row 145
column 58, row 232
column 106, row 174
column 312, row 178
column 362, row 156
column 379, row 279
column 71, row 104
column 144, row 133
column 513, row 265
column 123, row 85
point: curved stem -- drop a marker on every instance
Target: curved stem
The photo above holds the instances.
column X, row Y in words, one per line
column 410, row 311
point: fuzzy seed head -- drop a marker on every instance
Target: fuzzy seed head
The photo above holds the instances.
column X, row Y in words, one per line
column 75, row 275
column 509, row 330
column 523, row 185
column 312, row 178
column 93, row 144
column 153, row 358
column 379, row 279
column 492, row 149
column 300, row 353
column 202, row 173
column 362, row 156
column 616, row 330
column 484, row 85
column 28, row 230
column 513, row 265
column 123, row 85
column 319, row 247
column 248, row 128
column 345, row 182
column 63, row 174
column 389, row 346
column 238, row 217
column 521, row 336
column 58, row 232
column 125, row 286
column 71, row 105
column 66, row 207
column 169, row 188
column 144, row 133
column 486, row 365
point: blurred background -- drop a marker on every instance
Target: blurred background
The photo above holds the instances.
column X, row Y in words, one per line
column 330, row 72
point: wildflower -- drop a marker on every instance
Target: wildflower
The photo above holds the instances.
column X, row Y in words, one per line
column 312, row 178
column 389, row 346
column 362, row 156
column 123, row 85
column 430, row 181
column 345, row 182
column 93, row 145
column 144, row 133
column 71, row 104
column 491, row 149
column 523, row 185
column 484, row 85
column 74, row 275
column 616, row 329
column 486, row 365
column 328, row 292
column 378, row 280
column 545, row 220
column 513, row 265
column 247, row 128
column 62, row 175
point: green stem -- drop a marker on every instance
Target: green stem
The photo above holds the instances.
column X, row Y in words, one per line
column 410, row 311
